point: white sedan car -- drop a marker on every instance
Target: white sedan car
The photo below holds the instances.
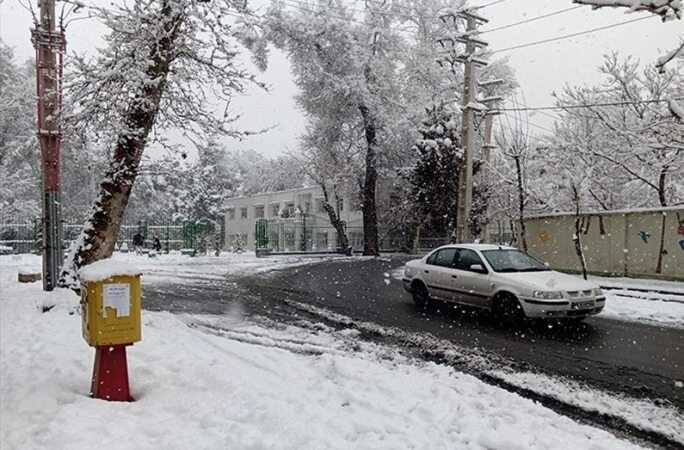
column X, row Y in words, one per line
column 504, row 279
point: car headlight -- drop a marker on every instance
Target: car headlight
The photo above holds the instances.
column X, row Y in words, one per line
column 547, row 294
column 598, row 291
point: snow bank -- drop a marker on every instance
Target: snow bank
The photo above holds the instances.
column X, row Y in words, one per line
column 641, row 413
column 630, row 309
column 107, row 268
column 221, row 382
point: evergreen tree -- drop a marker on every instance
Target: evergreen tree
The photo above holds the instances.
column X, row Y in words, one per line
column 434, row 177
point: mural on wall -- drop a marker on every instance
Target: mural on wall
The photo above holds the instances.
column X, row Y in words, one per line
column 644, row 235
column 544, row 236
column 680, row 231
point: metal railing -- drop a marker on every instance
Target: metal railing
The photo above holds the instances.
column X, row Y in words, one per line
column 24, row 234
column 299, row 234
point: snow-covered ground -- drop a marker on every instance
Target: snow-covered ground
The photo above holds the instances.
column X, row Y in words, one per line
column 223, row 382
column 640, row 283
column 643, row 414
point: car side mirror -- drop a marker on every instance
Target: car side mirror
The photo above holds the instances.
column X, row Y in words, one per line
column 547, row 265
column 478, row 268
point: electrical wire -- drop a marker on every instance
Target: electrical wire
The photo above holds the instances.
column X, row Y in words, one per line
column 532, row 19
column 558, row 38
column 586, row 105
column 307, row 7
column 532, row 124
column 489, row 4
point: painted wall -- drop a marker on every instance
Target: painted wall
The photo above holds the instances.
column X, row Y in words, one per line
column 621, row 242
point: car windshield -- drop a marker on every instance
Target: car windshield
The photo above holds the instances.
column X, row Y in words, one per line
column 509, row 260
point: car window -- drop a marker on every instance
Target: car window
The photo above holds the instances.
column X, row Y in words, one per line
column 444, row 257
column 509, row 260
column 466, row 258
column 431, row 258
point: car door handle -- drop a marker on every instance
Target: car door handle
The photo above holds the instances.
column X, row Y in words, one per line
column 454, row 276
column 427, row 271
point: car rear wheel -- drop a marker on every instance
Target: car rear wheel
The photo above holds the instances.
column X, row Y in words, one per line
column 420, row 295
column 509, row 309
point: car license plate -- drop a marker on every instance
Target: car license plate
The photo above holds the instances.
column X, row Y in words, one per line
column 582, row 305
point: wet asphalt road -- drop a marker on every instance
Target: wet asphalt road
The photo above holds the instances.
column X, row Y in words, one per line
column 637, row 359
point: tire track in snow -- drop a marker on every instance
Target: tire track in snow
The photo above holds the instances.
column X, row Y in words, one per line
column 620, row 419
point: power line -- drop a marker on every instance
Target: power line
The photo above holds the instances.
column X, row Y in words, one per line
column 532, row 124
column 532, row 19
column 489, row 4
column 586, row 105
column 558, row 38
column 307, row 7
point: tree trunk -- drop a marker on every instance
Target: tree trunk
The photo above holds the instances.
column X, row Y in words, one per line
column 370, row 215
column 342, row 239
column 521, row 203
column 661, row 249
column 578, row 233
column 663, row 202
column 100, row 232
column 416, row 239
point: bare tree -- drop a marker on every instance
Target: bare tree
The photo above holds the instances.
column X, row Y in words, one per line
column 331, row 156
column 642, row 138
column 667, row 10
column 514, row 143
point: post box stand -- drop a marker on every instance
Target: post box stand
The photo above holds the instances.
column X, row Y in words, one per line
column 110, row 374
column 110, row 314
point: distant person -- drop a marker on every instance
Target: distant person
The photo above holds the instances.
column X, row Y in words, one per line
column 156, row 244
column 217, row 245
column 138, row 243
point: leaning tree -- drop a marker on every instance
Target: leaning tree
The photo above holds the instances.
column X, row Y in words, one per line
column 167, row 64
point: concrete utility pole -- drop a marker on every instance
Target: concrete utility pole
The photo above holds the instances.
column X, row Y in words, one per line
column 469, row 59
column 49, row 45
column 488, row 146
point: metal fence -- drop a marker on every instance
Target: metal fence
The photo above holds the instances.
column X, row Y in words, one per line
column 20, row 234
column 304, row 235
column 24, row 234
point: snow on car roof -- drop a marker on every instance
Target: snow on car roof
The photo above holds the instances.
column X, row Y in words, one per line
column 474, row 246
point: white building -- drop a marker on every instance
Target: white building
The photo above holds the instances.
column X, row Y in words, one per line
column 296, row 220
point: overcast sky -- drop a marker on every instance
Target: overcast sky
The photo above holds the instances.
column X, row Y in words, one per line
column 540, row 69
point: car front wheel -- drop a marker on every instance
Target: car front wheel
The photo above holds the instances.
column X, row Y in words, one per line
column 509, row 309
column 420, row 295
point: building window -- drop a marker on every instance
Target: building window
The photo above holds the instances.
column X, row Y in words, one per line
column 275, row 210
column 259, row 212
column 319, row 205
column 307, row 207
column 289, row 210
column 243, row 212
column 341, row 205
column 231, row 214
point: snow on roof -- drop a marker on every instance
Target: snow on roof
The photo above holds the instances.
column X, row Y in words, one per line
column 474, row 246
column 107, row 268
column 260, row 194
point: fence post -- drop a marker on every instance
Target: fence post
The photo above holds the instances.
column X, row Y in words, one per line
column 38, row 235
